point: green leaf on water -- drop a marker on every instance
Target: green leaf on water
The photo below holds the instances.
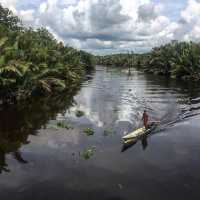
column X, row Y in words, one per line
column 115, row 110
column 88, row 153
column 52, row 126
column 79, row 113
column 108, row 131
column 88, row 131
column 64, row 125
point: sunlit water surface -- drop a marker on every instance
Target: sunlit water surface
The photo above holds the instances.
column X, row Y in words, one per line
column 51, row 162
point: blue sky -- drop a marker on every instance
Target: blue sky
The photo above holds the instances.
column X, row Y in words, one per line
column 173, row 8
column 34, row 4
column 112, row 26
column 26, row 4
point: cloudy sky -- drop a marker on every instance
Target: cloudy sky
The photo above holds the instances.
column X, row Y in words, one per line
column 111, row 26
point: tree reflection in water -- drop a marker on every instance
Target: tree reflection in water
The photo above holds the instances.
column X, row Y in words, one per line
column 144, row 142
column 19, row 121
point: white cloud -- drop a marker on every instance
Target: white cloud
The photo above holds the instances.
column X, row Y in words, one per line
column 188, row 25
column 130, row 8
column 147, row 12
column 27, row 15
column 192, row 11
column 159, row 24
column 112, row 25
column 11, row 4
column 43, row 7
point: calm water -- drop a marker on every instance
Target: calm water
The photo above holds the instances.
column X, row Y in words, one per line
column 41, row 160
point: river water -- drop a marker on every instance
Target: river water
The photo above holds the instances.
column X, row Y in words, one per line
column 46, row 154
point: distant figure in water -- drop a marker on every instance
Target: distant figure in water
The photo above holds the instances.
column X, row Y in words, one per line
column 145, row 119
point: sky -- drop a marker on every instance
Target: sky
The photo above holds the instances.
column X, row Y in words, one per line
column 112, row 26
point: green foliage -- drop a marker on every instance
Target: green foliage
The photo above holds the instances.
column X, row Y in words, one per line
column 8, row 19
column 87, row 60
column 119, row 60
column 64, row 125
column 177, row 59
column 88, row 131
column 32, row 62
column 108, row 132
column 88, row 153
column 79, row 113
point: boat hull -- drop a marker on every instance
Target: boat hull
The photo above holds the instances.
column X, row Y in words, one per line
column 139, row 132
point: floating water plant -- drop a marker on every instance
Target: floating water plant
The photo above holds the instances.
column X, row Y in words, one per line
column 68, row 126
column 88, row 131
column 64, row 125
column 115, row 110
column 79, row 113
column 52, row 126
column 88, row 153
column 108, row 131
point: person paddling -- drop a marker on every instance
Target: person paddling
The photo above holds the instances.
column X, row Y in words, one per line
column 145, row 119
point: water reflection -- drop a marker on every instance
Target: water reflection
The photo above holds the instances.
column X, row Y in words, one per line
column 115, row 99
column 50, row 162
column 110, row 98
column 144, row 142
column 17, row 123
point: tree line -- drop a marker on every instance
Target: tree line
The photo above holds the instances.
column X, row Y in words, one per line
column 179, row 60
column 33, row 62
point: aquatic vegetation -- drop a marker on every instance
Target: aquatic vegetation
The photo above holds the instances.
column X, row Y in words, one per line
column 108, row 131
column 88, row 131
column 62, row 124
column 79, row 113
column 88, row 153
column 32, row 115
column 55, row 127
column 115, row 110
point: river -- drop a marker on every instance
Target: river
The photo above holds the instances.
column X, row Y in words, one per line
column 46, row 154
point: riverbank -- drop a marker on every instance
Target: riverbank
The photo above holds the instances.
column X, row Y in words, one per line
column 178, row 60
column 34, row 63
